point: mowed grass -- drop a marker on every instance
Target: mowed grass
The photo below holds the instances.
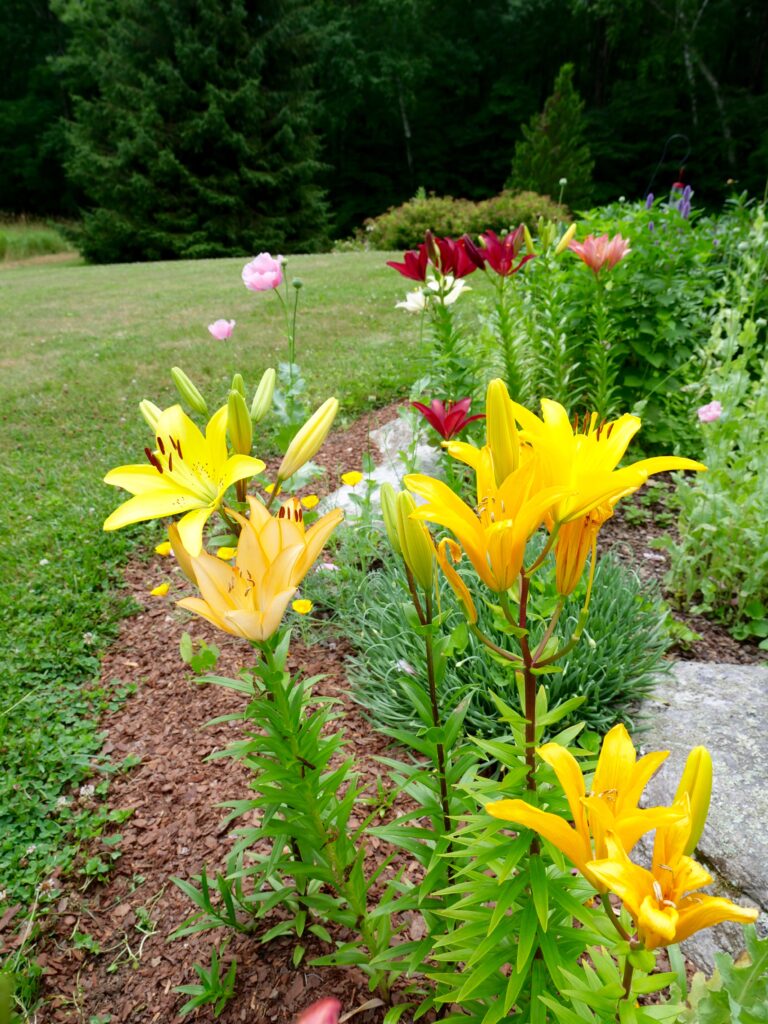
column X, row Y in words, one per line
column 81, row 346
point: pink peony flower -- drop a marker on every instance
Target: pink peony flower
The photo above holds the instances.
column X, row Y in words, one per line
column 222, row 329
column 601, row 252
column 709, row 413
column 324, row 1011
column 263, row 273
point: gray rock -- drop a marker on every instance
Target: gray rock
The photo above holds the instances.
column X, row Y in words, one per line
column 394, row 440
column 724, row 708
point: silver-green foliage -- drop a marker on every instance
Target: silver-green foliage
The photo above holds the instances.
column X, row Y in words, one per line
column 616, row 664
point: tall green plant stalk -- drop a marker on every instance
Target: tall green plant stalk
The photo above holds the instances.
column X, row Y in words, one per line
column 603, row 364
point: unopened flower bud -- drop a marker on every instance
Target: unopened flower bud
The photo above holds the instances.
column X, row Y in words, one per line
column 262, row 400
column 188, row 392
column 151, row 413
column 388, row 498
column 696, row 781
column 239, row 423
column 308, row 440
column 297, row 283
column 238, row 384
column 529, row 248
column 564, row 242
column 416, row 545
column 501, row 431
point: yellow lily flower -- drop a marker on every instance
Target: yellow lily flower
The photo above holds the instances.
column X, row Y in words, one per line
column 663, row 902
column 617, row 786
column 186, row 473
column 583, row 460
column 274, row 554
column 495, row 534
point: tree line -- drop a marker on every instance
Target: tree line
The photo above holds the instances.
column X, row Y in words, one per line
column 205, row 127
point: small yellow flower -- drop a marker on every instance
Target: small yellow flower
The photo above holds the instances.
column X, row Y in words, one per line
column 161, row 590
column 309, row 501
column 351, row 479
column 226, row 553
column 302, row 606
column 163, row 549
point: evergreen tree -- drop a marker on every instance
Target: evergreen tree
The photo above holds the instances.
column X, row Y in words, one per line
column 31, row 105
column 192, row 132
column 554, row 147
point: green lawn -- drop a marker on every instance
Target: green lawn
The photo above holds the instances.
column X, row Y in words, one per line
column 81, row 346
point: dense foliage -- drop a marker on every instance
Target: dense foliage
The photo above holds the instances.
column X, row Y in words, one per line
column 195, row 138
column 387, row 97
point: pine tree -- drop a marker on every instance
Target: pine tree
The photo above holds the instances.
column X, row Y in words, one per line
column 192, row 133
column 554, row 147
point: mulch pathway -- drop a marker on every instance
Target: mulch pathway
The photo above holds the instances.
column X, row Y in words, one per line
column 176, row 826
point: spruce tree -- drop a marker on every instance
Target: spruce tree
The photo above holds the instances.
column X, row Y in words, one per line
column 554, row 146
column 192, row 132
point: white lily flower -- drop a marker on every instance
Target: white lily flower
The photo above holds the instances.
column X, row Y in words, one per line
column 415, row 302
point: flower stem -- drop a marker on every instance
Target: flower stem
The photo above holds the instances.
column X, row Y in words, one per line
column 613, row 918
column 436, row 718
column 530, row 692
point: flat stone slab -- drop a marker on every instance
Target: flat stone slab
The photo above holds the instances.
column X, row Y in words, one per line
column 724, row 708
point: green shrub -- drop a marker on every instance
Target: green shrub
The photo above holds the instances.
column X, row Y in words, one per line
column 403, row 227
column 617, row 662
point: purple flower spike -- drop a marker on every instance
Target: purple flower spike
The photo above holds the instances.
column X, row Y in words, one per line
column 649, row 201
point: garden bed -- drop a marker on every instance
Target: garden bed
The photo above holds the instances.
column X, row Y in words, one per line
column 106, row 953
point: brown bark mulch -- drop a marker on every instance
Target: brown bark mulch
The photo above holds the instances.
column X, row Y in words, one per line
column 176, row 826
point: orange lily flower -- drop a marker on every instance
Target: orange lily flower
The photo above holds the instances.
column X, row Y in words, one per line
column 274, row 554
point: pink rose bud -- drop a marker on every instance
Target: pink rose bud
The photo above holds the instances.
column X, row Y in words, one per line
column 263, row 273
column 324, row 1011
column 222, row 329
column 709, row 413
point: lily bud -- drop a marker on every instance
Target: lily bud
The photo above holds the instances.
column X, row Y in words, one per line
column 697, row 783
column 151, row 413
column 501, row 432
column 238, row 384
column 528, row 241
column 262, row 400
column 562, row 245
column 308, row 440
column 416, row 545
column 239, row 423
column 432, row 250
column 546, row 229
column 388, row 498
column 188, row 391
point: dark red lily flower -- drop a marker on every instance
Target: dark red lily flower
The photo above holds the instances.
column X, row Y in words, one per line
column 454, row 257
column 501, row 254
column 445, row 255
column 414, row 265
column 448, row 420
